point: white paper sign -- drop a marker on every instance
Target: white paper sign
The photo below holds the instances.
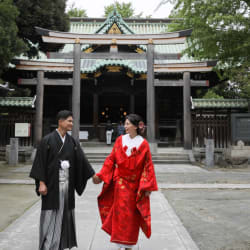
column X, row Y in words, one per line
column 22, row 129
column 83, row 135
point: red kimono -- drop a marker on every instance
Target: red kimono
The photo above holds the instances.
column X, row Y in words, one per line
column 123, row 206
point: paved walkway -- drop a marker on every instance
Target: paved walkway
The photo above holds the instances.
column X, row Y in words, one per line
column 168, row 231
column 204, row 186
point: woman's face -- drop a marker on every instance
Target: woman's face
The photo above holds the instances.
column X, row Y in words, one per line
column 130, row 128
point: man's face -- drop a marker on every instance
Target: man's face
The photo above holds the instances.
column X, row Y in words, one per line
column 66, row 124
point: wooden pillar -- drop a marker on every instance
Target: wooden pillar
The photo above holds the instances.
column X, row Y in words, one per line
column 157, row 118
column 95, row 113
column 39, row 108
column 95, row 109
column 187, row 111
column 132, row 103
column 70, row 101
column 132, row 98
column 76, row 91
column 150, row 98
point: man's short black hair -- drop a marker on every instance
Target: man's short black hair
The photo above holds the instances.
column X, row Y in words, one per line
column 63, row 115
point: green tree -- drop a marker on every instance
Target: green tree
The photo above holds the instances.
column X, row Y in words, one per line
column 75, row 12
column 10, row 44
column 221, row 30
column 210, row 94
column 124, row 9
column 46, row 14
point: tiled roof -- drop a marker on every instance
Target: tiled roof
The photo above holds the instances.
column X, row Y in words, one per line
column 116, row 18
column 113, row 18
column 27, row 102
column 219, row 103
column 127, row 26
column 136, row 26
column 135, row 66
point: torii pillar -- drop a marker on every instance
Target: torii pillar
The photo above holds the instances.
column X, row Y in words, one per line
column 39, row 108
column 186, row 111
column 76, row 90
column 151, row 99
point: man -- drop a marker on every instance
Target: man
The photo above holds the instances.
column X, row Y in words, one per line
column 60, row 167
column 109, row 131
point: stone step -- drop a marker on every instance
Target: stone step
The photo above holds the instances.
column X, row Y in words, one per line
column 98, row 155
column 157, row 159
column 154, row 158
column 169, row 161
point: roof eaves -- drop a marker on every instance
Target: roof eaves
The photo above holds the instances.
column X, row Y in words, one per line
column 110, row 62
column 27, row 102
column 219, row 103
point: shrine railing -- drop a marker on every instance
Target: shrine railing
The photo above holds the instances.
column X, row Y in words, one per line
column 211, row 126
column 7, row 128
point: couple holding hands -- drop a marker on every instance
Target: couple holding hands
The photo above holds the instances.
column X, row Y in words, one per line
column 60, row 168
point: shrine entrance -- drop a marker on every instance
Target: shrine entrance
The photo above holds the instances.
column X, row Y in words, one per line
column 113, row 107
column 143, row 65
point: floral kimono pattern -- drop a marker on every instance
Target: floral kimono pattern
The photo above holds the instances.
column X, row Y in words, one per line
column 123, row 206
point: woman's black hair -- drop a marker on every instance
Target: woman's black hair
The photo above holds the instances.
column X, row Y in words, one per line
column 63, row 115
column 135, row 119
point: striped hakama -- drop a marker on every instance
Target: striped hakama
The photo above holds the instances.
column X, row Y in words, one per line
column 57, row 227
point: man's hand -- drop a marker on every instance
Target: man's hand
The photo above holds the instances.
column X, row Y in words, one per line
column 96, row 179
column 42, row 188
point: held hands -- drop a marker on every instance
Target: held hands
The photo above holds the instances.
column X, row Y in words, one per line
column 147, row 193
column 42, row 188
column 96, row 179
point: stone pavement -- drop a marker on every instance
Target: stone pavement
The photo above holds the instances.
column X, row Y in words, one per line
column 168, row 233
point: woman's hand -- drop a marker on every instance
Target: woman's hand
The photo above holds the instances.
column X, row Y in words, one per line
column 42, row 188
column 96, row 179
column 147, row 193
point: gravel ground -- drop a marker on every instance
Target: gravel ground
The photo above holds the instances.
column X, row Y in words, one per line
column 15, row 200
column 215, row 219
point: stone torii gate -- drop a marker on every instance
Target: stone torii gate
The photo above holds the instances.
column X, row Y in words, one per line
column 44, row 66
column 114, row 39
column 149, row 40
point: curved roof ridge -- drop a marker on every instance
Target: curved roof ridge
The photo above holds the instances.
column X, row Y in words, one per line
column 114, row 17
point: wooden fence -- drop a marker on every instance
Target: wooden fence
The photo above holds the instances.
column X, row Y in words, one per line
column 215, row 127
column 7, row 128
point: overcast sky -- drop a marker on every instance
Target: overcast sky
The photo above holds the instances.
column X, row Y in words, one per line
column 95, row 8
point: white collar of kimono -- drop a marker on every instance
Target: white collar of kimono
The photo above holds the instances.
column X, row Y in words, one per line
column 62, row 138
column 131, row 142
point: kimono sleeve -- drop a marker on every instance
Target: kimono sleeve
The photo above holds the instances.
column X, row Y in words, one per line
column 38, row 170
column 107, row 171
column 148, row 180
column 83, row 170
column 147, row 183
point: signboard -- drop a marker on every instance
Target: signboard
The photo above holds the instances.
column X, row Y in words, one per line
column 22, row 129
column 83, row 135
column 240, row 124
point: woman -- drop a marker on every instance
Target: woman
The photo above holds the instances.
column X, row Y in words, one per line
column 128, row 176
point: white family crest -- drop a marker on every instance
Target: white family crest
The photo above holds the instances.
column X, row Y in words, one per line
column 65, row 164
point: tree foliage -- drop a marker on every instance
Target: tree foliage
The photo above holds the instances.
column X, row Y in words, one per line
column 10, row 44
column 46, row 14
column 211, row 94
column 221, row 31
column 124, row 9
column 76, row 12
